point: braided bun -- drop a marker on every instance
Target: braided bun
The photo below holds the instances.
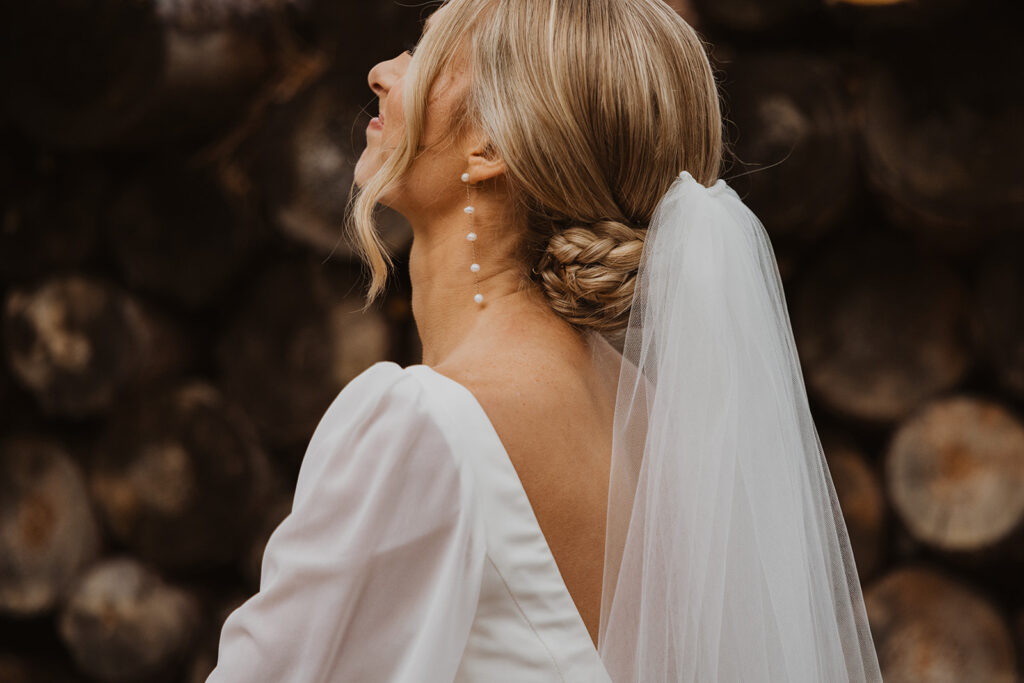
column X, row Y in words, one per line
column 587, row 273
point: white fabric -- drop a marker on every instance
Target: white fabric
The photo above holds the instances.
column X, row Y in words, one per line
column 727, row 556
column 411, row 553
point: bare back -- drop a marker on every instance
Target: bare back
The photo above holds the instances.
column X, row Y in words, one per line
column 554, row 417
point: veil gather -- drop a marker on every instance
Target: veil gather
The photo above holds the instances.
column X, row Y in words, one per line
column 727, row 556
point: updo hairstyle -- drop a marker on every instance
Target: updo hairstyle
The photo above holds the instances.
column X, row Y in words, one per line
column 595, row 106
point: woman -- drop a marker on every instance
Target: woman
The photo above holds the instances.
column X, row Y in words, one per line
column 524, row 505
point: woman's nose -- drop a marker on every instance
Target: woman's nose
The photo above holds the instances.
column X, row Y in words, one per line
column 376, row 79
column 383, row 75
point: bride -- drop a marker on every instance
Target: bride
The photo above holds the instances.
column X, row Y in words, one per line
column 605, row 468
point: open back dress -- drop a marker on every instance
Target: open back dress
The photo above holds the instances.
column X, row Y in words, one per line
column 411, row 553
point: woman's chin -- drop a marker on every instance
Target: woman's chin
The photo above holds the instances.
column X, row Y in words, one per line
column 360, row 173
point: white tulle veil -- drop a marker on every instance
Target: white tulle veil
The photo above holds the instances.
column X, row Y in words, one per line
column 727, row 557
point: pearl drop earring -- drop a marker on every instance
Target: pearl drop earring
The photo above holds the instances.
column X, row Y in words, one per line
column 475, row 267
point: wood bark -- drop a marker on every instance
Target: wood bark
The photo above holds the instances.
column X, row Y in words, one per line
column 797, row 163
column 124, row 623
column 180, row 476
column 753, row 16
column 295, row 343
column 880, row 327
column 871, row 18
column 176, row 232
column 687, row 10
column 51, row 209
column 927, row 626
column 21, row 668
column 861, row 498
column 48, row 528
column 942, row 143
column 77, row 342
column 125, row 72
column 998, row 312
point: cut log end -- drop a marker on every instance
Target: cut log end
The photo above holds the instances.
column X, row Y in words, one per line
column 928, row 627
column 955, row 474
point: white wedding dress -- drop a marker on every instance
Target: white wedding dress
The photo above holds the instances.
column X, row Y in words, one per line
column 411, row 553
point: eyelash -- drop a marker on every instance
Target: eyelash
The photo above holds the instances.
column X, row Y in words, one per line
column 410, row 47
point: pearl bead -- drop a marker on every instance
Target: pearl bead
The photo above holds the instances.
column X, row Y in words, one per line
column 479, row 298
column 475, row 267
column 465, row 177
column 468, row 209
column 471, row 236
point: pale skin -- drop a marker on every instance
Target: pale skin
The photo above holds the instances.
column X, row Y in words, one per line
column 528, row 368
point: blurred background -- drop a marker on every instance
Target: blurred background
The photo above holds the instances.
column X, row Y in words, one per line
column 180, row 308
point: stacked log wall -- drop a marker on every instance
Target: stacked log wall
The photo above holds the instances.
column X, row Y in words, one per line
column 180, row 305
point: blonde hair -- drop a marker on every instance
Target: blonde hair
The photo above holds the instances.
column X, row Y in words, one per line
column 595, row 106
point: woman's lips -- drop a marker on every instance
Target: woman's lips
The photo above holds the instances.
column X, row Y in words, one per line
column 375, row 123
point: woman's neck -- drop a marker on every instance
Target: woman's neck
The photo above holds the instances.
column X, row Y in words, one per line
column 443, row 286
column 447, row 317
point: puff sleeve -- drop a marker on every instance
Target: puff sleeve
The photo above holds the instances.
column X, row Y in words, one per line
column 375, row 573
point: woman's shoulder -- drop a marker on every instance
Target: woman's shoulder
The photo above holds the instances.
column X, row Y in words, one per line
column 383, row 417
column 381, row 378
column 383, row 389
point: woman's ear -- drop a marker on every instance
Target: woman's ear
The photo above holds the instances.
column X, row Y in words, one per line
column 484, row 163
